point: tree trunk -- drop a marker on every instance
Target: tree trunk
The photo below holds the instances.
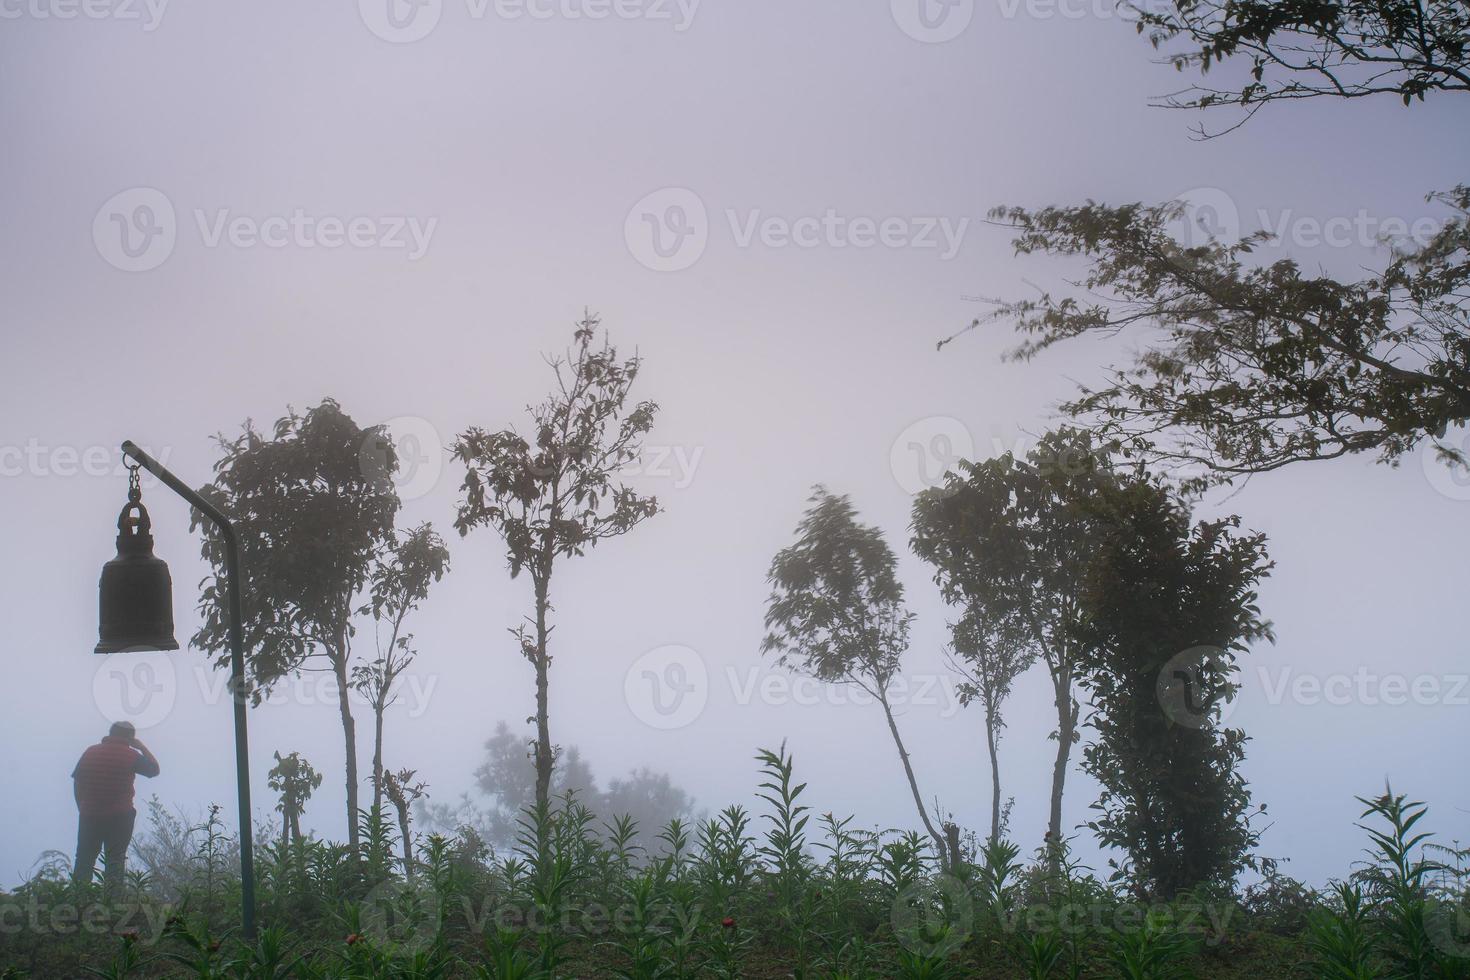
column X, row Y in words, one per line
column 991, row 738
column 1066, row 731
column 908, row 770
column 349, row 739
column 378, row 753
column 543, row 723
column 407, row 842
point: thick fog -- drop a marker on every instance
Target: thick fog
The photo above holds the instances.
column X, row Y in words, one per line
column 782, row 208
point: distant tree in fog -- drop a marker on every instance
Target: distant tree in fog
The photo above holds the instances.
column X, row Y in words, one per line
column 649, row 797
column 837, row 613
column 506, row 785
column 507, row 779
column 553, row 493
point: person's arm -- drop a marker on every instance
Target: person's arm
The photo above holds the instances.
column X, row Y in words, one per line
column 146, row 765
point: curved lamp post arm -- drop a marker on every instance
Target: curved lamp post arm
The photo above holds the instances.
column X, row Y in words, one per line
column 237, row 673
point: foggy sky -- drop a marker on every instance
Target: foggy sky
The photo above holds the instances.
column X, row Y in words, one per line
column 519, row 148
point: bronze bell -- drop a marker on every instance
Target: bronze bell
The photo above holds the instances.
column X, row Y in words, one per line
column 137, row 604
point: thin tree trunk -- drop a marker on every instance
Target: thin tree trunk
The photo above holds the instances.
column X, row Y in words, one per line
column 990, row 743
column 543, row 723
column 349, row 739
column 407, row 845
column 1066, row 731
column 378, row 754
column 908, row 770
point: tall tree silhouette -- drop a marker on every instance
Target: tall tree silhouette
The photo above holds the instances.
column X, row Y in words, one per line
column 837, row 613
column 1009, row 540
column 554, row 494
column 314, row 505
column 1168, row 606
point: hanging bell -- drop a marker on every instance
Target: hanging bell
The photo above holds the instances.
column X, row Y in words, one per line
column 137, row 605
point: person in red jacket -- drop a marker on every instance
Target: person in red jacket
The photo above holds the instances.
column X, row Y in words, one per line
column 103, row 785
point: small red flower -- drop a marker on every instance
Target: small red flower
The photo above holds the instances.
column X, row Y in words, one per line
column 354, row 938
column 728, row 922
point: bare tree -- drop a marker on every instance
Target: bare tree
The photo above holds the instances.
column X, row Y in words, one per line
column 400, row 582
column 989, row 656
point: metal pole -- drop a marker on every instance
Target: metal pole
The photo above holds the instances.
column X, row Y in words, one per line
column 237, row 675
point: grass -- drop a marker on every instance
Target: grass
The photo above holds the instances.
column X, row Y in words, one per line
column 782, row 892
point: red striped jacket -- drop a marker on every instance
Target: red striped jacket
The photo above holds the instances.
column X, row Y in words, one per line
column 103, row 778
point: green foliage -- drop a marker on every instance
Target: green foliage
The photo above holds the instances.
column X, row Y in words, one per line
column 790, row 868
column 294, row 780
column 1340, row 938
column 1400, row 48
column 808, row 898
column 1167, row 606
column 1397, row 883
column 1153, row 951
column 1249, row 368
column 1253, row 367
column 836, row 610
column 313, row 506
